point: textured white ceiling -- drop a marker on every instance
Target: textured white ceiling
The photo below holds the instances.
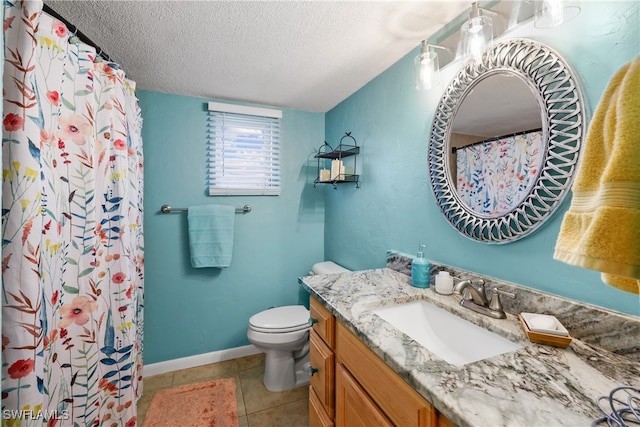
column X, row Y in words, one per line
column 305, row 55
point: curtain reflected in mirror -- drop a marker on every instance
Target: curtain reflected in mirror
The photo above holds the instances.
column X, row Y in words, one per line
column 497, row 143
column 494, row 176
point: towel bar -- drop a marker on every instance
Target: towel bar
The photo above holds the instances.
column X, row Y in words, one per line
column 168, row 209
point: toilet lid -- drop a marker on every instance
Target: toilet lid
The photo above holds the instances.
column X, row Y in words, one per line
column 288, row 318
column 327, row 267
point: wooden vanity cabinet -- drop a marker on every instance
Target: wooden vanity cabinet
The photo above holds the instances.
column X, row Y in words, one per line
column 324, row 323
column 354, row 406
column 356, row 386
column 318, row 416
column 322, row 366
column 401, row 403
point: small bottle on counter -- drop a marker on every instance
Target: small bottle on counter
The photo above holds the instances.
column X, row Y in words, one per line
column 444, row 283
column 420, row 270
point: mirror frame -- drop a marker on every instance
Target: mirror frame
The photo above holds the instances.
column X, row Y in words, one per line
column 564, row 126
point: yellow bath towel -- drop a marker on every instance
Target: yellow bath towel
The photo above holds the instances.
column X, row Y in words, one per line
column 601, row 229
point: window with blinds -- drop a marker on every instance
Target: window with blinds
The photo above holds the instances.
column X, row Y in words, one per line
column 243, row 150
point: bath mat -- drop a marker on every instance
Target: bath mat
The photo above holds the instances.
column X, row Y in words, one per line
column 211, row 403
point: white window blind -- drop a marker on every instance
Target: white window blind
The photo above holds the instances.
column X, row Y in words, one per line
column 243, row 150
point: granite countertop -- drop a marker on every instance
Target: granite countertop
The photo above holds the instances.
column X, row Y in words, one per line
column 537, row 385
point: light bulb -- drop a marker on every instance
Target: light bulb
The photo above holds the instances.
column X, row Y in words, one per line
column 477, row 34
column 554, row 9
column 475, row 25
column 426, row 74
column 476, row 46
column 426, row 65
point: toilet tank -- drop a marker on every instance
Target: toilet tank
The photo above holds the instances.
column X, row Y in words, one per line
column 327, row 267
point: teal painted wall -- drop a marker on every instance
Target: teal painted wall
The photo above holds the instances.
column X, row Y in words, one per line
column 192, row 311
column 395, row 207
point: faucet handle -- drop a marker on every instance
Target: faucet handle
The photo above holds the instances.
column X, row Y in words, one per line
column 505, row 293
column 495, row 303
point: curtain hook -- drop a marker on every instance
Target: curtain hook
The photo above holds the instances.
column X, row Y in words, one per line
column 73, row 38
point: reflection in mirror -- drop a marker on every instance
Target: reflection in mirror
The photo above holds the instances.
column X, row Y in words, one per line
column 497, row 143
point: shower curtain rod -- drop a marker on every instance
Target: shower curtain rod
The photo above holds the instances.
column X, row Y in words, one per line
column 76, row 32
column 496, row 138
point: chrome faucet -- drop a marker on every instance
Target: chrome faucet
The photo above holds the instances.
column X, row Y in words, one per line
column 466, row 290
column 474, row 297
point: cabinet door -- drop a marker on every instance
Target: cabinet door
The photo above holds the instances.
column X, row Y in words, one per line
column 399, row 401
column 444, row 421
column 354, row 408
column 321, row 357
column 317, row 415
column 323, row 322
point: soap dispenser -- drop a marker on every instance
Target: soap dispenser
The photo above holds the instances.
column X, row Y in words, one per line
column 420, row 270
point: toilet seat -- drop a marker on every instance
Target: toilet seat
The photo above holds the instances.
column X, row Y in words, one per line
column 288, row 318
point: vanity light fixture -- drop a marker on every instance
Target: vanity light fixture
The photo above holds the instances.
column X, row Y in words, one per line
column 426, row 66
column 551, row 13
column 476, row 33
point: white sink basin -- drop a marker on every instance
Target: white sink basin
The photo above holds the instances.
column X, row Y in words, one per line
column 448, row 336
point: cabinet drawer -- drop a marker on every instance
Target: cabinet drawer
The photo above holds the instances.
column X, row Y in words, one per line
column 397, row 399
column 317, row 415
column 322, row 382
column 354, row 408
column 323, row 322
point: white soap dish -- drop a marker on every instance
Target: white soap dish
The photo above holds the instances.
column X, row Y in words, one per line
column 545, row 329
column 544, row 323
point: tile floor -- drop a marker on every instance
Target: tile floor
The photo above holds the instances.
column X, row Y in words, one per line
column 257, row 407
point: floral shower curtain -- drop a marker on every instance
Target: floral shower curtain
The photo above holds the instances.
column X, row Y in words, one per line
column 72, row 248
column 494, row 177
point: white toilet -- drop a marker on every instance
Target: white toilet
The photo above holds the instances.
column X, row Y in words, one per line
column 282, row 333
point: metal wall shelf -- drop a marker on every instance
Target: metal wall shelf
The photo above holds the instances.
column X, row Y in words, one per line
column 340, row 152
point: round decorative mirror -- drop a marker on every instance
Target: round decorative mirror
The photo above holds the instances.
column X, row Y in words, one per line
column 505, row 141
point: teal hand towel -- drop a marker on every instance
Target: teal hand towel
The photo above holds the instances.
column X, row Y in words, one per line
column 211, row 235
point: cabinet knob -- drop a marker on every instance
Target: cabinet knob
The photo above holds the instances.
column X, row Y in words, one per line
column 312, row 370
column 312, row 321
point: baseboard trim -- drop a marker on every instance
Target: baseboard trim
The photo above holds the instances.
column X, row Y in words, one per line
column 198, row 360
